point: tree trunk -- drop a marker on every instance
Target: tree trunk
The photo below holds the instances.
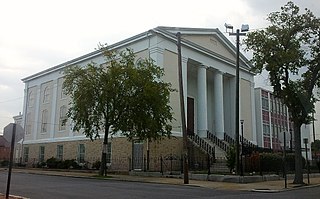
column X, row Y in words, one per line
column 298, row 177
column 103, row 167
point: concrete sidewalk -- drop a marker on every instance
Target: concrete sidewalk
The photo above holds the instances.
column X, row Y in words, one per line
column 265, row 186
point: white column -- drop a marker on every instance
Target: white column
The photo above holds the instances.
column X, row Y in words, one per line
column 202, row 101
column 185, row 83
column 54, row 108
column 218, row 104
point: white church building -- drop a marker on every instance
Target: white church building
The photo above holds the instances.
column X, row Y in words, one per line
column 209, row 69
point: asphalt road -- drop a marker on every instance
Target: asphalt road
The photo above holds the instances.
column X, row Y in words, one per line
column 59, row 187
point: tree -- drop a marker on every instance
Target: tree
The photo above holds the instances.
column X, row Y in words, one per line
column 289, row 50
column 120, row 96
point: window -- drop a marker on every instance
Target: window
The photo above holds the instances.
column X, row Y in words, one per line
column 81, row 153
column 265, row 103
column 109, row 153
column 63, row 118
column 63, row 95
column 26, row 154
column 265, row 117
column 266, row 129
column 60, row 152
column 44, row 121
column 28, row 124
column 41, row 154
column 31, row 99
column 46, row 95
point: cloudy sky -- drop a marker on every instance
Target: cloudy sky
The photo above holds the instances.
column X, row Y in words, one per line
column 38, row 34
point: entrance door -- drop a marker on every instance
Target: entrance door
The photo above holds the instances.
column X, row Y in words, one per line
column 190, row 116
column 137, row 155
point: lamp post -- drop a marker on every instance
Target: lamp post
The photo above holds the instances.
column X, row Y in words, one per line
column 305, row 140
column 284, row 160
column 241, row 163
column 244, row 28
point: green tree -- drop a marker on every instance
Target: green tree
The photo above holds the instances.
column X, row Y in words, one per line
column 289, row 50
column 231, row 158
column 122, row 96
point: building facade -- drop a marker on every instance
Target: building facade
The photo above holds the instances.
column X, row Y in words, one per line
column 208, row 67
column 273, row 123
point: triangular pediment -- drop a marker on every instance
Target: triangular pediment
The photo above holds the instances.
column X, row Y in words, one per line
column 212, row 43
column 209, row 40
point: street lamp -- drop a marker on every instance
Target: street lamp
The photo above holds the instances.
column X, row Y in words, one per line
column 305, row 140
column 244, row 28
column 241, row 163
column 284, row 160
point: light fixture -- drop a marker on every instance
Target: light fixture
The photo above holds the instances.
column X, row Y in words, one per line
column 244, row 28
column 228, row 26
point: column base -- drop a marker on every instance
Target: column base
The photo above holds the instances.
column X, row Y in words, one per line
column 220, row 135
column 202, row 133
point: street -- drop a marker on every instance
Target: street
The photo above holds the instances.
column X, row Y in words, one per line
column 58, row 187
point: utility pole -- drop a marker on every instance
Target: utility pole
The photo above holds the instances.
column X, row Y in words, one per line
column 237, row 34
column 11, row 159
column 183, row 117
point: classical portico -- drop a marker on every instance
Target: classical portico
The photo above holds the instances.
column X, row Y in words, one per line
column 206, row 88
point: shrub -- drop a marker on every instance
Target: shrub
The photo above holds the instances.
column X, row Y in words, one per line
column 52, row 163
column 96, row 165
column 231, row 158
column 4, row 163
column 270, row 162
column 41, row 165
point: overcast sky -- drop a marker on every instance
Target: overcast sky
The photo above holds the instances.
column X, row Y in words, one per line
column 38, row 34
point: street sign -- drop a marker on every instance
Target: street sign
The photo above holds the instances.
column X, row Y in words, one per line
column 7, row 132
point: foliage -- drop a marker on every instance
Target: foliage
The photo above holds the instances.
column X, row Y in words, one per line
column 289, row 49
column 231, row 158
column 271, row 162
column 96, row 165
column 54, row 163
column 315, row 146
column 4, row 163
column 121, row 95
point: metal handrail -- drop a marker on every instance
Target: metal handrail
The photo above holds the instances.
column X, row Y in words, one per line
column 231, row 141
column 203, row 144
column 217, row 141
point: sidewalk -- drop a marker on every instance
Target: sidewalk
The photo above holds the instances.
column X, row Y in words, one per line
column 265, row 186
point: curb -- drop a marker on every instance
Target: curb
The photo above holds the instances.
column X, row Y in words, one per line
column 285, row 189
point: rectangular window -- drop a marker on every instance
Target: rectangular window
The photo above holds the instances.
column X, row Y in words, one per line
column 81, row 153
column 265, row 103
column 44, row 123
column 63, row 118
column 266, row 129
column 26, row 154
column 60, row 152
column 109, row 153
column 41, row 154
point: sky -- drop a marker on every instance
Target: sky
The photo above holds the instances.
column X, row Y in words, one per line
column 39, row 34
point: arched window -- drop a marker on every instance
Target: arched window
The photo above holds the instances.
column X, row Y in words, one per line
column 46, row 95
column 44, row 121
column 62, row 118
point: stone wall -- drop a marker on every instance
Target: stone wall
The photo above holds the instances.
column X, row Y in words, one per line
column 121, row 152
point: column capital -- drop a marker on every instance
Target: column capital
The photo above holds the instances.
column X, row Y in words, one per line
column 184, row 59
column 203, row 66
column 219, row 72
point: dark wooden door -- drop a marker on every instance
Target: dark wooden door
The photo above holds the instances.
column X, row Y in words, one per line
column 190, row 116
